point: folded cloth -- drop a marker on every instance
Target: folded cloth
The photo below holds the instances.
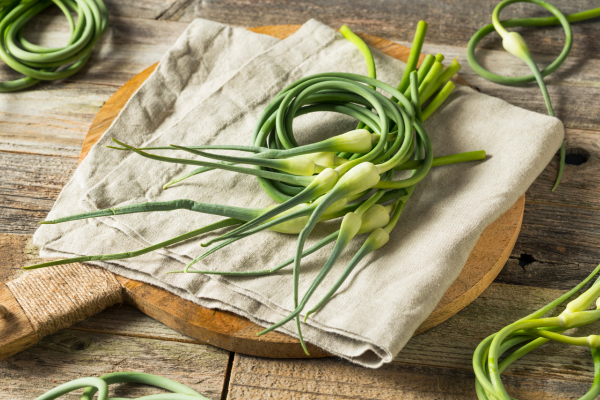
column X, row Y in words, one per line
column 210, row 88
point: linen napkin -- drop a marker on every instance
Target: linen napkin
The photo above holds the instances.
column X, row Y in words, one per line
column 210, row 88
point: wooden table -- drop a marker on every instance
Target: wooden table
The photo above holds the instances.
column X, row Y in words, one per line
column 41, row 132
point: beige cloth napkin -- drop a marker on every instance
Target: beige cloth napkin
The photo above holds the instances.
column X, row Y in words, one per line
column 210, row 88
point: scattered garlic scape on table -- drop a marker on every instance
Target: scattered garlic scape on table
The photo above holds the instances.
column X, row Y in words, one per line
column 348, row 176
column 100, row 386
column 533, row 331
column 40, row 63
column 514, row 43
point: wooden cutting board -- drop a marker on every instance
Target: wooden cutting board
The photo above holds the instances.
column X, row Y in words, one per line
column 225, row 329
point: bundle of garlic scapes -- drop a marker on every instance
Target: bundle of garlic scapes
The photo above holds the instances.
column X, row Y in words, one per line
column 349, row 176
column 40, row 63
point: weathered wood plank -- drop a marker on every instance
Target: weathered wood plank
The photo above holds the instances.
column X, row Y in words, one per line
column 17, row 251
column 433, row 365
column 50, row 120
column 452, row 343
column 142, row 9
column 125, row 320
column 129, row 46
column 521, row 270
column 176, row 10
column 334, row 379
column 449, row 346
column 450, row 23
column 559, row 240
column 31, row 123
column 147, row 9
column 30, row 184
column 580, row 185
column 557, row 245
column 69, row 355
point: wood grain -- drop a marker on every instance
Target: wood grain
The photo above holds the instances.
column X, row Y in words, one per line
column 560, row 241
column 433, row 365
column 238, row 334
column 118, row 339
column 70, row 354
column 218, row 328
column 53, row 118
column 29, row 186
column 255, row 378
column 442, row 354
column 450, row 22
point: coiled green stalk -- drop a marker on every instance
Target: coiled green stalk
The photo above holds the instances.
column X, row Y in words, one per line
column 515, row 44
column 39, row 63
column 535, row 331
column 100, row 386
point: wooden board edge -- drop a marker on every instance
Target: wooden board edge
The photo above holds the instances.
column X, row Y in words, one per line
column 17, row 332
column 238, row 333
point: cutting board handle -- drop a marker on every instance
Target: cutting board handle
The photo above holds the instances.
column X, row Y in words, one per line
column 43, row 301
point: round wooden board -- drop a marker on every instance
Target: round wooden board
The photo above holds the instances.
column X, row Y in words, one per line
column 234, row 333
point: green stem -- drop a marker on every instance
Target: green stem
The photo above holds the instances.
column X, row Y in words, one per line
column 120, row 256
column 297, row 180
column 413, row 57
column 317, row 246
column 444, row 160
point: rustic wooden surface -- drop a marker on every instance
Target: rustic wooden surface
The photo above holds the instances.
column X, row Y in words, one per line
column 230, row 332
column 118, row 339
column 42, row 131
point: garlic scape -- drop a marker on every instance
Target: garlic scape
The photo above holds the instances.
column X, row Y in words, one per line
column 130, row 254
column 514, row 43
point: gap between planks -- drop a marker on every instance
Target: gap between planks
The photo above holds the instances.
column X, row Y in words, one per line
column 227, row 376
